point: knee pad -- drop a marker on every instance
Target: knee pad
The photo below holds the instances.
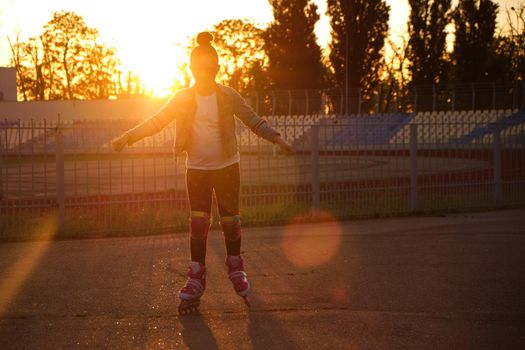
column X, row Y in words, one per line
column 200, row 223
column 231, row 227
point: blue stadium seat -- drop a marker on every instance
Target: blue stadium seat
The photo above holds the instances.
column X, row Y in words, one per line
column 368, row 129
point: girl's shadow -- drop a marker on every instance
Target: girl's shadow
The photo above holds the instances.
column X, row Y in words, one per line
column 195, row 332
column 265, row 330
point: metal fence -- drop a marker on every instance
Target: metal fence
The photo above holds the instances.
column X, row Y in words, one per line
column 64, row 179
column 390, row 99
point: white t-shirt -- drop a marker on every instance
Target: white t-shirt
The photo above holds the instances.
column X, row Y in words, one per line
column 205, row 149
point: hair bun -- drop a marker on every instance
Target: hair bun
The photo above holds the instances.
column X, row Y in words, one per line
column 204, row 38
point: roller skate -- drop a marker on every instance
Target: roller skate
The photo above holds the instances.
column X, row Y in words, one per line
column 190, row 294
column 238, row 277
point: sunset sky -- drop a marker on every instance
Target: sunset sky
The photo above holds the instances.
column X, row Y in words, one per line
column 147, row 34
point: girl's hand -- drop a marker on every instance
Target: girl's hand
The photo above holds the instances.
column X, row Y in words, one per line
column 119, row 143
column 285, row 146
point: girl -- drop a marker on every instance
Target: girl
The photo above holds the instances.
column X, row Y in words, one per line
column 204, row 114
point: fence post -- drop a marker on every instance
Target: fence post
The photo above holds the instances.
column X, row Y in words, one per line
column 59, row 159
column 359, row 102
column 522, row 108
column 397, row 102
column 341, row 110
column 415, row 99
column 434, row 98
column 498, row 196
column 473, row 106
column 323, row 102
column 307, row 102
column 289, row 102
column 413, row 167
column 378, row 101
column 453, row 98
column 493, row 95
column 315, row 168
column 515, row 96
column 273, row 102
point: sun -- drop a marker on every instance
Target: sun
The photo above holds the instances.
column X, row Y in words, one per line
column 153, row 45
column 159, row 66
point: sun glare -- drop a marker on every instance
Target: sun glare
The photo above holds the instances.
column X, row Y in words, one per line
column 309, row 246
column 149, row 37
column 153, row 47
column 20, row 270
column 158, row 66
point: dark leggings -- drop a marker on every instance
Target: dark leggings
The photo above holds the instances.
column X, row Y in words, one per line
column 200, row 185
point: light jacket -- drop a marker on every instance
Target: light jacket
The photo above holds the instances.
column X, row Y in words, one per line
column 182, row 108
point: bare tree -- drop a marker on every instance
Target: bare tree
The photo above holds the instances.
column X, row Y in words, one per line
column 17, row 57
column 516, row 35
column 240, row 45
column 396, row 75
column 67, row 61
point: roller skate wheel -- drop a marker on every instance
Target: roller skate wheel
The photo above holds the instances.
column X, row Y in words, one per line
column 187, row 307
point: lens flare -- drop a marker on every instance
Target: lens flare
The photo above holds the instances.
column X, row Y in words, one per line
column 21, row 270
column 340, row 295
column 309, row 245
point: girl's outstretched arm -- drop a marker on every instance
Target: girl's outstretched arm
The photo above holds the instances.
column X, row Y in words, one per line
column 285, row 146
column 257, row 124
column 148, row 127
column 144, row 129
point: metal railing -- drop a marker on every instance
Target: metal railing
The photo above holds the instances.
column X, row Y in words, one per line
column 385, row 99
column 64, row 177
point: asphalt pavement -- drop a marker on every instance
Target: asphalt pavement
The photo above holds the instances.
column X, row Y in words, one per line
column 447, row 282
